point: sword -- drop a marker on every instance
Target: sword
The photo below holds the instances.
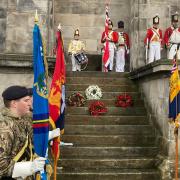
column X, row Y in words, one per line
column 147, row 44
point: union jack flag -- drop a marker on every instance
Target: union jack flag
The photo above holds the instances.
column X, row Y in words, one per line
column 106, row 46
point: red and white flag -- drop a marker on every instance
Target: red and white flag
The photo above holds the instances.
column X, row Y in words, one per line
column 106, row 46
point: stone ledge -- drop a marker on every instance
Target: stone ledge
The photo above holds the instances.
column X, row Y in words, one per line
column 159, row 66
column 21, row 60
column 25, row 61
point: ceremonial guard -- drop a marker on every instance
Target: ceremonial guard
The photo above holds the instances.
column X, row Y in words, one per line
column 76, row 46
column 153, row 41
column 112, row 38
column 172, row 37
column 123, row 47
column 16, row 154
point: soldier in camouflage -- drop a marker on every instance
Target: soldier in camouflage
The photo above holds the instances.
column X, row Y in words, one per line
column 15, row 136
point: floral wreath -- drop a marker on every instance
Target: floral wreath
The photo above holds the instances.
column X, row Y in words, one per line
column 124, row 101
column 97, row 108
column 76, row 99
column 93, row 92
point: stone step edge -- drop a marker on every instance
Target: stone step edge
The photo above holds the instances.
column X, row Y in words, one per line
column 140, row 158
column 106, row 147
column 112, row 92
column 106, row 136
column 109, row 173
column 124, row 85
column 123, row 125
column 109, row 116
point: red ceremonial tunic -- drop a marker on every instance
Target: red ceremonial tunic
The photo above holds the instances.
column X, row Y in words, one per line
column 112, row 35
column 168, row 34
column 153, row 35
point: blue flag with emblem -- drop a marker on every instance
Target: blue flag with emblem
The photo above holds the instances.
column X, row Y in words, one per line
column 40, row 98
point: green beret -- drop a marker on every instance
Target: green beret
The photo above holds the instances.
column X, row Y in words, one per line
column 15, row 92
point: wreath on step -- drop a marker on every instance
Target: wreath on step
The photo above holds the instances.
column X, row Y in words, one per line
column 124, row 100
column 97, row 108
column 76, row 99
column 93, row 92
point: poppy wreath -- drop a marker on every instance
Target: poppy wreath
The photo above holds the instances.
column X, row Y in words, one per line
column 124, row 101
column 97, row 108
column 76, row 99
column 93, row 92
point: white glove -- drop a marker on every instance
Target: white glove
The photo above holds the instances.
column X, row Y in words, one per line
column 65, row 144
column 127, row 51
column 54, row 133
column 28, row 168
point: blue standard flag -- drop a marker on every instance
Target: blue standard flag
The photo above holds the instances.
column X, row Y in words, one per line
column 174, row 94
column 40, row 97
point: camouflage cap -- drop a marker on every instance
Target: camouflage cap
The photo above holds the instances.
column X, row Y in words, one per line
column 15, row 92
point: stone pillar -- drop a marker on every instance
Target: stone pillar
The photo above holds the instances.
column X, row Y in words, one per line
column 3, row 17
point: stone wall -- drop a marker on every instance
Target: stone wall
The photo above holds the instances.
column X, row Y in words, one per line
column 142, row 12
column 18, row 70
column 17, row 78
column 17, row 19
column 153, row 81
column 89, row 17
column 155, row 91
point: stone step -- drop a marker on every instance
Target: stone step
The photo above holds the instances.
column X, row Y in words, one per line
column 73, row 164
column 111, row 102
column 107, row 152
column 109, row 130
column 129, row 174
column 110, row 95
column 111, row 111
column 104, row 88
column 94, row 63
column 92, row 68
column 119, row 145
column 109, row 140
column 105, row 120
column 99, row 80
column 96, row 74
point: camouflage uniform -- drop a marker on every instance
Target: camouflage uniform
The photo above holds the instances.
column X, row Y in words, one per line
column 13, row 135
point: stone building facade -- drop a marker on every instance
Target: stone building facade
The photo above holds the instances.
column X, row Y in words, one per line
column 16, row 24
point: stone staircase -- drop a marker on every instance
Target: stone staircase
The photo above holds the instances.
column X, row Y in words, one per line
column 120, row 145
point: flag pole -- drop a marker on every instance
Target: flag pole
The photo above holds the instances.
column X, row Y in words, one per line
column 176, row 156
column 176, row 129
column 36, row 20
column 58, row 139
column 56, row 95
